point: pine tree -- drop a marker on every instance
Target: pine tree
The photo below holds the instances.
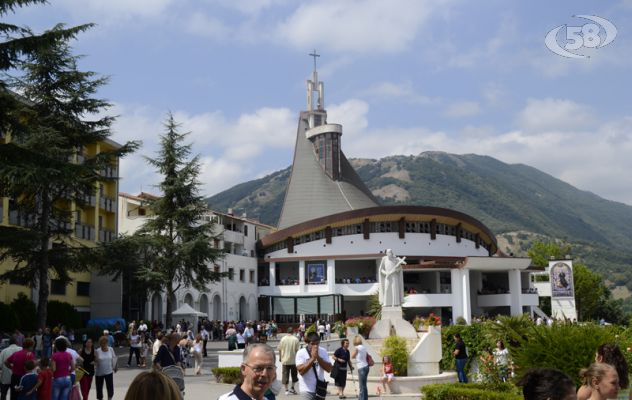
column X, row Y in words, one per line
column 176, row 241
column 16, row 43
column 40, row 169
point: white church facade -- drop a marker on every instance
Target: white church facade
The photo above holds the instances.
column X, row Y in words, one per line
column 322, row 261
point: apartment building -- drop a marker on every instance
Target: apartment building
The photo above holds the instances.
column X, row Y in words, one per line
column 95, row 221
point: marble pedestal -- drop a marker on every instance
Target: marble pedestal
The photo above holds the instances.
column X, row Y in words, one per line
column 391, row 323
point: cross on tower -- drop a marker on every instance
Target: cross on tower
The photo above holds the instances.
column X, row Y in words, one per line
column 314, row 54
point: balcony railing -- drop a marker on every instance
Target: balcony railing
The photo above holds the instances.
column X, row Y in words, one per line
column 84, row 231
column 109, row 172
column 21, row 219
column 89, row 200
column 106, row 235
column 107, row 203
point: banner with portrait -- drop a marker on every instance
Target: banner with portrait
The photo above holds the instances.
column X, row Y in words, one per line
column 316, row 274
column 561, row 277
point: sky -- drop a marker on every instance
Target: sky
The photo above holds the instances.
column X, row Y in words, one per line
column 402, row 76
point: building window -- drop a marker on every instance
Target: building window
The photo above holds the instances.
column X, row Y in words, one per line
column 141, row 211
column 18, row 281
column 216, row 243
column 252, row 276
column 57, row 287
column 83, row 289
column 242, row 275
column 245, row 230
column 216, row 269
column 231, row 273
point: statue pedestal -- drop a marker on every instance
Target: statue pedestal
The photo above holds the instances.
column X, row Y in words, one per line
column 391, row 323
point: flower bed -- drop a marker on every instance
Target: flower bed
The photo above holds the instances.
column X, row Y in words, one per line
column 364, row 325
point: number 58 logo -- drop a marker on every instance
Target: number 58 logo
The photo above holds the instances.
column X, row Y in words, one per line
column 581, row 36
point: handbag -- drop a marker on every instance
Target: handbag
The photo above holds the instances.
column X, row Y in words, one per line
column 334, row 371
column 321, row 386
column 369, row 360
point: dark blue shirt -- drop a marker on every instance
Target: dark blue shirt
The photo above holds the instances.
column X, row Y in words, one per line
column 28, row 382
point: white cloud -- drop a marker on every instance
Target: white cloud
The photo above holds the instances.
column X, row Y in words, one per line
column 401, row 91
column 207, row 26
column 462, row 109
column 230, row 149
column 543, row 115
column 115, row 10
column 356, row 26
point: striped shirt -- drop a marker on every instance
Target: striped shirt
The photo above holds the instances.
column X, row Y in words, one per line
column 237, row 394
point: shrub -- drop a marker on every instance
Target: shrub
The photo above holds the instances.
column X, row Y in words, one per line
column 395, row 347
column 340, row 329
column 26, row 312
column 459, row 391
column 565, row 347
column 461, row 321
column 310, row 329
column 231, row 375
column 9, row 320
column 476, row 338
column 375, row 307
column 364, row 324
column 62, row 313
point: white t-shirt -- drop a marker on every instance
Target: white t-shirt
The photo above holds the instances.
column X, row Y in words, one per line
column 142, row 328
column 321, row 329
column 240, row 338
column 135, row 341
column 307, row 382
column 361, row 357
column 197, row 346
column 501, row 357
column 104, row 361
column 156, row 347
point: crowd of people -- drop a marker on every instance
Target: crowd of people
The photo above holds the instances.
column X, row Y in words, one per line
column 46, row 366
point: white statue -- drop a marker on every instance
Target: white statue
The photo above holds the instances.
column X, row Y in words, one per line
column 391, row 280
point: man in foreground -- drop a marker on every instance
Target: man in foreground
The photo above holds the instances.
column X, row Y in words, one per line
column 258, row 370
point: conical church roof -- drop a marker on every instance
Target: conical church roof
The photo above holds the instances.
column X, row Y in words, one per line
column 311, row 193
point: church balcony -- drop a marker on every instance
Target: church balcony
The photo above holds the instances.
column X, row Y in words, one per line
column 286, row 290
column 428, row 300
column 356, row 289
column 494, row 300
column 530, row 299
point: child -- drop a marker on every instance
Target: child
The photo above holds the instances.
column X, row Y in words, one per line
column 28, row 382
column 44, row 385
column 387, row 372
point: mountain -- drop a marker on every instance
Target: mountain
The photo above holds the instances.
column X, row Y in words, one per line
column 513, row 200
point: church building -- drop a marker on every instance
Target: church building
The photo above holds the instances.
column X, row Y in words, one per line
column 322, row 261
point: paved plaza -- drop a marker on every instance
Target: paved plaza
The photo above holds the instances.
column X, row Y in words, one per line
column 197, row 387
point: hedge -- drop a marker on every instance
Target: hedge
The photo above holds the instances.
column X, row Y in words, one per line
column 26, row 312
column 230, row 375
column 459, row 391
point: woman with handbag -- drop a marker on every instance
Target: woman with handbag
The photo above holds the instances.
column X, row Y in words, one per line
column 363, row 362
column 342, row 360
